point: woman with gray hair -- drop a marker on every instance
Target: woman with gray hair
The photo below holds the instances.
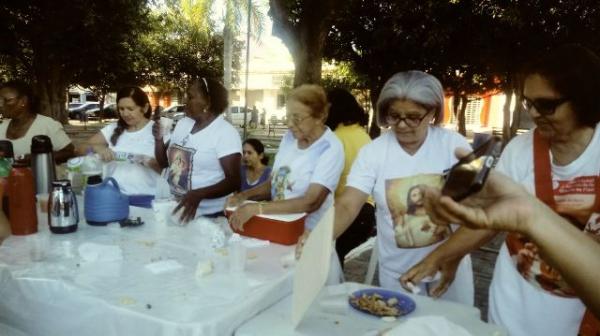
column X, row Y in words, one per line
column 413, row 151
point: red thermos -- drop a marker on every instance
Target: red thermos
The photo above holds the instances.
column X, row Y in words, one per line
column 21, row 200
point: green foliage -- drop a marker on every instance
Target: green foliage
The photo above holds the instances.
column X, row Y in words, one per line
column 56, row 43
column 472, row 46
column 343, row 76
column 176, row 49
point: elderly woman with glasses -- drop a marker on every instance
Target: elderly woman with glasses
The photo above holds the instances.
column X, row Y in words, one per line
column 559, row 162
column 307, row 166
column 412, row 152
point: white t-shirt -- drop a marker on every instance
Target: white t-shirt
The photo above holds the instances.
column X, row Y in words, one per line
column 42, row 125
column 405, row 235
column 522, row 306
column 194, row 159
column 296, row 169
column 133, row 178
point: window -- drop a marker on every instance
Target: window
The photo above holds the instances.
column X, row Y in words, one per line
column 472, row 112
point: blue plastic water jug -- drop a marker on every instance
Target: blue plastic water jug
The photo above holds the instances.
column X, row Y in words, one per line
column 103, row 202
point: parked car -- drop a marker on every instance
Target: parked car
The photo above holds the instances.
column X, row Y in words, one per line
column 77, row 110
column 278, row 116
column 237, row 115
column 174, row 112
column 108, row 112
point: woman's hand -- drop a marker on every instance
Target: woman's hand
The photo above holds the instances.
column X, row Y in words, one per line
column 429, row 267
column 243, row 213
column 106, row 154
column 157, row 129
column 301, row 242
column 189, row 203
column 235, row 200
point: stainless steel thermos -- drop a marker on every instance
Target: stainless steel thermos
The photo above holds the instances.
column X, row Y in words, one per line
column 63, row 213
column 42, row 163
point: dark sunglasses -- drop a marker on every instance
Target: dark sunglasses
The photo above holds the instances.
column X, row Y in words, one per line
column 543, row 106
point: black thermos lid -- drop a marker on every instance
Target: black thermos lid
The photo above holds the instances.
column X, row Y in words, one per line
column 94, row 179
column 41, row 144
column 7, row 149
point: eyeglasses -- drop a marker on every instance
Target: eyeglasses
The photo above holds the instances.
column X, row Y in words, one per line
column 296, row 121
column 543, row 106
column 412, row 121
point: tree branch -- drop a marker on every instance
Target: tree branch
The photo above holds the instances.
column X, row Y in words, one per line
column 282, row 27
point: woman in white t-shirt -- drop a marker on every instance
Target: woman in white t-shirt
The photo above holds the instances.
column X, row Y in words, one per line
column 307, row 166
column 559, row 162
column 204, row 153
column 127, row 146
column 414, row 151
column 22, row 122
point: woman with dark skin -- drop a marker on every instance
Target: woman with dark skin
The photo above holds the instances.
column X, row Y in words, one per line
column 211, row 148
column 22, row 121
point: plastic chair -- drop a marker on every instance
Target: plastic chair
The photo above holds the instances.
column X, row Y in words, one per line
column 372, row 264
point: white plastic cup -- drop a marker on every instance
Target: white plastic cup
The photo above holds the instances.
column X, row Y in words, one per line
column 237, row 257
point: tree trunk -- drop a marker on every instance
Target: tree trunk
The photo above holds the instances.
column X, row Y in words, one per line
column 51, row 93
column 101, row 100
column 304, row 38
column 228, row 53
column 506, row 131
column 307, row 56
column 519, row 119
column 50, row 87
column 374, row 130
column 461, row 118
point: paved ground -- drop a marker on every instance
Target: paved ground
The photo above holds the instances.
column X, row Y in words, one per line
column 355, row 268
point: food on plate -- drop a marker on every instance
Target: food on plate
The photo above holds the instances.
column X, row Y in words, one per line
column 376, row 305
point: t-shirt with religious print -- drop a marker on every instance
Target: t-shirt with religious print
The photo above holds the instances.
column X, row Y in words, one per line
column 528, row 296
column 405, row 234
column 295, row 169
column 194, row 159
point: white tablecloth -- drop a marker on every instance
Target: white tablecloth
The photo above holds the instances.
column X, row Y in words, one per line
column 46, row 288
column 331, row 315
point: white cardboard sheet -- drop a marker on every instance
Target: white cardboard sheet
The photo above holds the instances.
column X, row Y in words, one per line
column 313, row 267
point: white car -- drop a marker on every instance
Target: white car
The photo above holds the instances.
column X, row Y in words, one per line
column 174, row 112
column 237, row 115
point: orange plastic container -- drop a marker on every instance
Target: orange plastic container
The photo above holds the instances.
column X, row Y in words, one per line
column 280, row 229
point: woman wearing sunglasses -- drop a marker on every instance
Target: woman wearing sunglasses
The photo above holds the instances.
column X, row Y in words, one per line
column 559, row 162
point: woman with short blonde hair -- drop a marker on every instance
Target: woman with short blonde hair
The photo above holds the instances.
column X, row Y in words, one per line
column 307, row 166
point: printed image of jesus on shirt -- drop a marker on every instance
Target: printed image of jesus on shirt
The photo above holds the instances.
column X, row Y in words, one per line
column 405, row 199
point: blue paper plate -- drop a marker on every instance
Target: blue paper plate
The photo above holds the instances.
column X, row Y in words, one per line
column 404, row 305
column 142, row 201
